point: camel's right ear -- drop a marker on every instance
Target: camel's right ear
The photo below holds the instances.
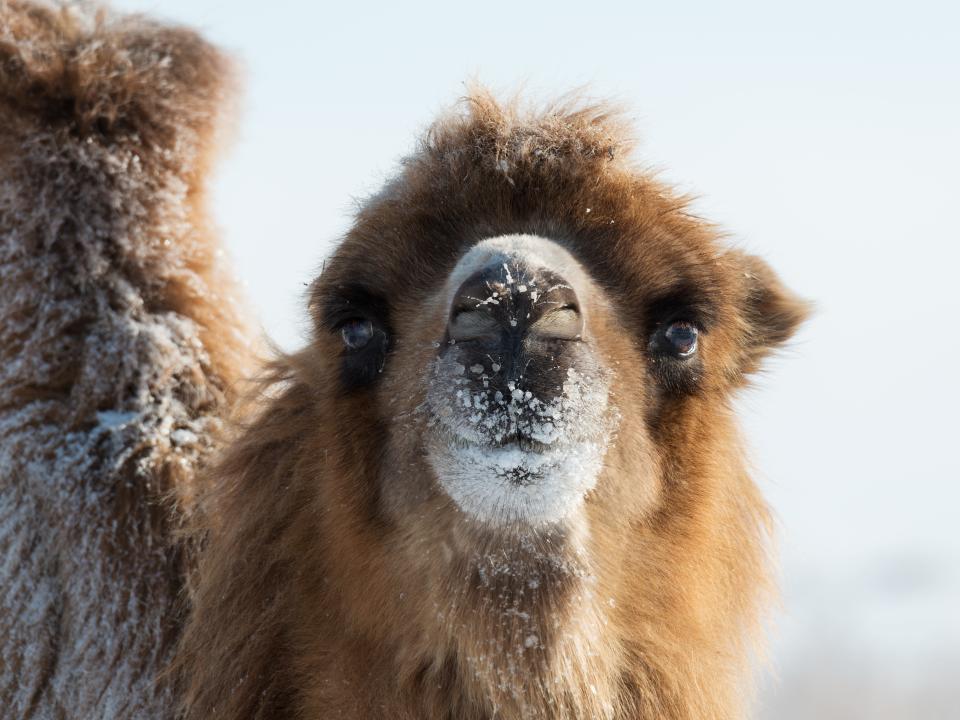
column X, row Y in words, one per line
column 770, row 312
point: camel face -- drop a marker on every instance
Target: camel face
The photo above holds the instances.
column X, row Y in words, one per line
column 520, row 384
column 517, row 397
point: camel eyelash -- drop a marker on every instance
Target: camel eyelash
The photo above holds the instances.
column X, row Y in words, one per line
column 354, row 302
column 681, row 303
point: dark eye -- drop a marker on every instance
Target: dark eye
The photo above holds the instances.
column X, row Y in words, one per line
column 681, row 338
column 356, row 333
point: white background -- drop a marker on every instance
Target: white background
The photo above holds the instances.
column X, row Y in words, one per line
column 824, row 136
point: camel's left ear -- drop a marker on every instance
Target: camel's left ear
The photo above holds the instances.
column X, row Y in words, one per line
column 770, row 312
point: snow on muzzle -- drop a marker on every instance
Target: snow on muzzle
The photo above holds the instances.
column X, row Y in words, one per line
column 518, row 404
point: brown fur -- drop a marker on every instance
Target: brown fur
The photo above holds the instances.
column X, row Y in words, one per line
column 338, row 581
column 119, row 347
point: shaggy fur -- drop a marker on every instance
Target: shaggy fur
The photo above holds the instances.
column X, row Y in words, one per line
column 119, row 342
column 338, row 581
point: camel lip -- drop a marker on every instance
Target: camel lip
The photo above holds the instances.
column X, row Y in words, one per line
column 523, row 443
column 518, row 443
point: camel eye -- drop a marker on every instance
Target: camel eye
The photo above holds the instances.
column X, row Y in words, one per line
column 681, row 337
column 356, row 333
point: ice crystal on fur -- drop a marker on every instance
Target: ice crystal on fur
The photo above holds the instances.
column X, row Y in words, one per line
column 503, row 451
column 494, row 478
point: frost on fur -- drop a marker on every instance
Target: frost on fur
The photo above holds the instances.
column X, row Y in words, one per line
column 118, row 346
column 571, row 428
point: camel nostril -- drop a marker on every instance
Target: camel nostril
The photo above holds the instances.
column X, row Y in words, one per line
column 564, row 323
column 473, row 325
column 505, row 302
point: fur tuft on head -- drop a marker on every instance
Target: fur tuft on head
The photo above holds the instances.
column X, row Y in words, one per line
column 511, row 135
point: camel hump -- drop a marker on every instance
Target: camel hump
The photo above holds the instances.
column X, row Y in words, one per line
column 120, row 341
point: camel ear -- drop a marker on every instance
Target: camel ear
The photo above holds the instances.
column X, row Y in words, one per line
column 770, row 312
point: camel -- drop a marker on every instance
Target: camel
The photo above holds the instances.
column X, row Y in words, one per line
column 503, row 479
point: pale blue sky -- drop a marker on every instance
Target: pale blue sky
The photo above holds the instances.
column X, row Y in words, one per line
column 824, row 136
